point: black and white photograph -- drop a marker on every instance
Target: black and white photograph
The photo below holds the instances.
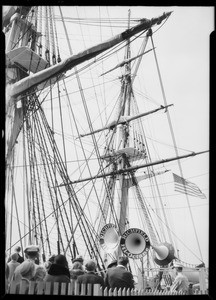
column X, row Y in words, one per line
column 107, row 141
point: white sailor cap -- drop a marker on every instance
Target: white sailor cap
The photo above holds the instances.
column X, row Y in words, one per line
column 32, row 248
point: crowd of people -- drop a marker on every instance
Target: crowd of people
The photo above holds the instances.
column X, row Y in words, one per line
column 56, row 269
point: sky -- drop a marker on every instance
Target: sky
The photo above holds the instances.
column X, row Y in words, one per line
column 182, row 47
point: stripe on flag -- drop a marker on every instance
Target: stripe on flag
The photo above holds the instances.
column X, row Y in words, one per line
column 184, row 186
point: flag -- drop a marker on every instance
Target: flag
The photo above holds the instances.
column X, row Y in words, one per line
column 184, row 186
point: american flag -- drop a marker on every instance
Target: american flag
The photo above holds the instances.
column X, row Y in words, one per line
column 184, row 186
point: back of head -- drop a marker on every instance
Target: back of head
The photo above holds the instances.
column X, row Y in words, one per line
column 123, row 260
column 77, row 265
column 61, row 260
column 17, row 249
column 40, row 273
column 51, row 258
column 79, row 259
column 90, row 265
column 178, row 267
column 14, row 256
column 26, row 269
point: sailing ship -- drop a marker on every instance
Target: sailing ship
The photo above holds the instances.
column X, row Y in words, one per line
column 83, row 176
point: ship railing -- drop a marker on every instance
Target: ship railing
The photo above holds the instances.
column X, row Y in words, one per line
column 76, row 289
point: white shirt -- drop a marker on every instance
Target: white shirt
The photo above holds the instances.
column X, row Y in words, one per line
column 12, row 266
column 180, row 283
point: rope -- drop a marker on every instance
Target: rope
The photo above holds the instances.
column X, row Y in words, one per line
column 88, row 117
column 52, row 37
column 47, row 164
column 53, row 171
column 173, row 138
column 56, row 36
column 29, row 144
column 76, row 207
column 57, row 158
column 40, row 190
column 40, row 30
column 47, row 42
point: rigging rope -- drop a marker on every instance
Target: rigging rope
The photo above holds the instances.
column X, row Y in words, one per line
column 46, row 164
column 173, row 138
column 47, row 41
column 40, row 30
column 52, row 36
column 56, row 36
column 54, row 166
column 87, row 114
column 76, row 206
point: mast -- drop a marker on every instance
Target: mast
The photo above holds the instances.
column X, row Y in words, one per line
column 122, row 131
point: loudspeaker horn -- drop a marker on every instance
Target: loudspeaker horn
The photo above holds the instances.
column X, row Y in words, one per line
column 164, row 254
column 134, row 243
column 109, row 237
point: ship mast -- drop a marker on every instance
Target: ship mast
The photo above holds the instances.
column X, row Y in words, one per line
column 122, row 131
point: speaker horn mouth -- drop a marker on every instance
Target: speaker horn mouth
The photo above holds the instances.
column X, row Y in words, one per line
column 135, row 243
column 109, row 237
column 164, row 253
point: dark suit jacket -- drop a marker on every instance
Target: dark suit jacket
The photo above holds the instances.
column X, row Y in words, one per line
column 119, row 277
column 90, row 277
column 57, row 273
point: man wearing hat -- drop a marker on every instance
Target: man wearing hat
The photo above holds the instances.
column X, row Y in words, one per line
column 119, row 276
column 181, row 282
column 112, row 264
column 32, row 253
column 79, row 259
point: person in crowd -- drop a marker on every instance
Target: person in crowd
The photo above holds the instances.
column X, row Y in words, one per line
column 20, row 259
column 119, row 276
column 181, row 282
column 13, row 264
column 190, row 289
column 49, row 262
column 32, row 253
column 58, row 271
column 40, row 274
column 76, row 270
column 112, row 264
column 24, row 272
column 79, row 259
column 90, row 275
column 156, row 282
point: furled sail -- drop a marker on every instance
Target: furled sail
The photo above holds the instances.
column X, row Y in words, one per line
column 27, row 83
